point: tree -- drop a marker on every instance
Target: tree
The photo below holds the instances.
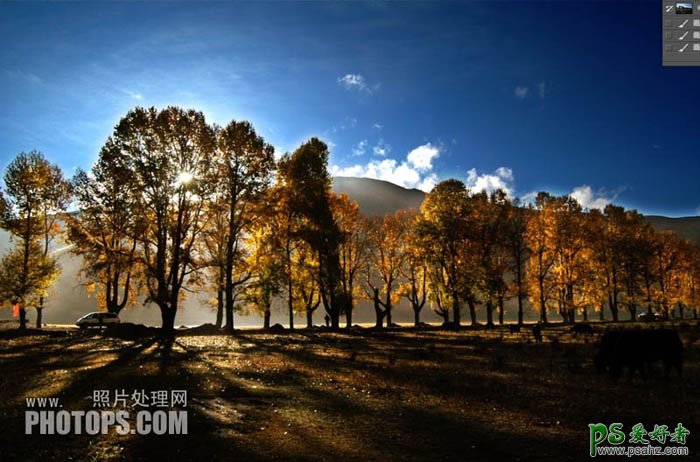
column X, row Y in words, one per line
column 570, row 263
column 353, row 247
column 538, row 235
column 170, row 155
column 437, row 292
column 304, row 178
column 104, row 231
column 35, row 201
column 489, row 214
column 266, row 266
column 414, row 271
column 444, row 232
column 667, row 263
column 307, row 292
column 26, row 287
column 517, row 245
column 598, row 284
column 386, row 237
column 241, row 170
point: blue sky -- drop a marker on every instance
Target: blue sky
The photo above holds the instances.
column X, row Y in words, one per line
column 568, row 97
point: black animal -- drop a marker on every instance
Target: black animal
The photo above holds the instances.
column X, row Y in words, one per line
column 514, row 328
column 582, row 328
column 537, row 332
column 636, row 350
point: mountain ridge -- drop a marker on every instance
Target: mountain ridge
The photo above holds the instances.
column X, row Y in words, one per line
column 366, row 191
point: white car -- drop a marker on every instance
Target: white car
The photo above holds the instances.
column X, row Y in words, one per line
column 97, row 320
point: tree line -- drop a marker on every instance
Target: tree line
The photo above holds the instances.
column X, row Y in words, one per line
column 175, row 205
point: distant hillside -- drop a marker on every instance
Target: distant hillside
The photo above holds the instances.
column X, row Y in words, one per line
column 381, row 197
column 686, row 227
column 378, row 197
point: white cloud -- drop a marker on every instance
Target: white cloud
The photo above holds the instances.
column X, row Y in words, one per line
column 414, row 172
column 422, row 157
column 26, row 76
column 542, row 89
column 377, row 126
column 521, row 92
column 528, row 198
column 360, row 148
column 381, row 149
column 590, row 199
column 347, row 124
column 134, row 95
column 501, row 178
column 357, row 82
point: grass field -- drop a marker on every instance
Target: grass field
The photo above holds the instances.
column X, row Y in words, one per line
column 360, row 395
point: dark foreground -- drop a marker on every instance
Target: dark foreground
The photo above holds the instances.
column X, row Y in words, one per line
column 360, row 395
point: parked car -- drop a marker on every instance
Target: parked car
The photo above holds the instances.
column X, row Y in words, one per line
column 97, row 320
column 649, row 317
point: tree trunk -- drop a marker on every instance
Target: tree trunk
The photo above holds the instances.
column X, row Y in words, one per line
column 416, row 316
column 489, row 314
column 389, row 322
column 22, row 319
column 291, row 318
column 501, row 310
column 168, row 318
column 601, row 313
column 378, row 311
column 613, row 310
column 585, row 313
column 309, row 318
column 520, row 308
column 266, row 319
column 472, row 311
column 633, row 312
column 38, row 317
column 456, row 314
column 219, row 307
column 229, row 317
column 348, row 317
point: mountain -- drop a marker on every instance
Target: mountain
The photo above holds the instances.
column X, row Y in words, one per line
column 380, row 197
column 686, row 227
column 377, row 197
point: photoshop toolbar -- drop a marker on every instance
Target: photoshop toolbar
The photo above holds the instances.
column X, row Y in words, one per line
column 681, row 33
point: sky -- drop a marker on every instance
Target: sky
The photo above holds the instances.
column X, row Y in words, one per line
column 565, row 97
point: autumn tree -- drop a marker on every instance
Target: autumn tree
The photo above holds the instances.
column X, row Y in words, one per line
column 386, row 251
column 488, row 219
column 35, row 200
column 26, row 287
column 266, row 266
column 241, row 172
column 353, row 247
column 170, row 156
column 305, row 181
column 438, row 295
column 414, row 271
column 104, row 231
column 516, row 243
column 444, row 232
column 667, row 261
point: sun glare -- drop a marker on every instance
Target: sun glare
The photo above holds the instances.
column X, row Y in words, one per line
column 184, row 178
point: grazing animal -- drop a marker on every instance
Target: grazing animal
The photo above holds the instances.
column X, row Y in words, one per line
column 514, row 328
column 537, row 332
column 637, row 350
column 582, row 328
